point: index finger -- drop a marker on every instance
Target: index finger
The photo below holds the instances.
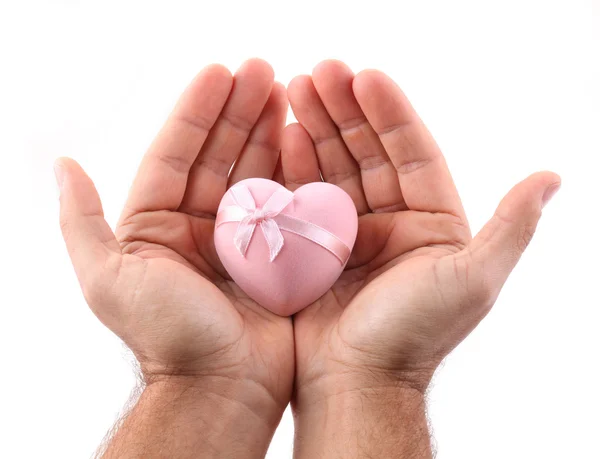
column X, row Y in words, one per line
column 425, row 180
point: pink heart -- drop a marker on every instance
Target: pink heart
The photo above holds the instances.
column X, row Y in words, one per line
column 303, row 270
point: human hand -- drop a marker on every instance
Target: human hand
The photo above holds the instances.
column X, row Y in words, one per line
column 417, row 283
column 157, row 282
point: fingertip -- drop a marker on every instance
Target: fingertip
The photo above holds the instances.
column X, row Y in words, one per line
column 333, row 82
column 293, row 134
column 277, row 103
column 367, row 75
column 547, row 184
column 279, row 87
column 216, row 76
column 539, row 182
column 293, row 126
column 527, row 198
column 274, row 111
column 367, row 80
column 63, row 168
column 218, row 70
column 65, row 162
column 279, row 93
column 547, row 177
column 298, row 85
column 60, row 160
column 549, row 193
column 59, row 173
column 257, row 66
column 212, row 85
column 331, row 68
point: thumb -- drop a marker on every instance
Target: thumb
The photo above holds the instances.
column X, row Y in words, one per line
column 93, row 248
column 496, row 249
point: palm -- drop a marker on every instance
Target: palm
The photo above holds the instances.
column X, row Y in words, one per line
column 345, row 326
column 178, row 251
column 404, row 262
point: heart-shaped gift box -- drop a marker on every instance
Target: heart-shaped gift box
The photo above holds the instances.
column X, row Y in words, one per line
column 284, row 249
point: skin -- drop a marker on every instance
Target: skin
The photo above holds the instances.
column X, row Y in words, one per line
column 417, row 282
column 158, row 284
column 362, row 356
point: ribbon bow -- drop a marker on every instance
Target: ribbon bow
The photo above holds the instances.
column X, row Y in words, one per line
column 272, row 221
column 262, row 217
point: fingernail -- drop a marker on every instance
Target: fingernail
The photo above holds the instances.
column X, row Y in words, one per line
column 59, row 172
column 549, row 193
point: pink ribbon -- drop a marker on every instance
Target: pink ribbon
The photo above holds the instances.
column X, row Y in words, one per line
column 272, row 222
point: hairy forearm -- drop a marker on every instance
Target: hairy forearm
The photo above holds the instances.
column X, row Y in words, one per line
column 382, row 422
column 196, row 419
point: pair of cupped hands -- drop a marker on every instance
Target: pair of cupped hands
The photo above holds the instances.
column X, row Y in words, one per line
column 416, row 284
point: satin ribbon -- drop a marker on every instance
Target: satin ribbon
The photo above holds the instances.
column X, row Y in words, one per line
column 272, row 222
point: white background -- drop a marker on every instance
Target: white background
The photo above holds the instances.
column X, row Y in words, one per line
column 507, row 88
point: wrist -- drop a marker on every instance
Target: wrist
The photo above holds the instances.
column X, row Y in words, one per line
column 339, row 393
column 181, row 416
column 343, row 380
column 357, row 418
column 230, row 397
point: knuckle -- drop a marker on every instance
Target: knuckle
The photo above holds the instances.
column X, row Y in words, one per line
column 456, row 231
column 65, row 227
column 480, row 291
column 128, row 233
column 524, row 237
